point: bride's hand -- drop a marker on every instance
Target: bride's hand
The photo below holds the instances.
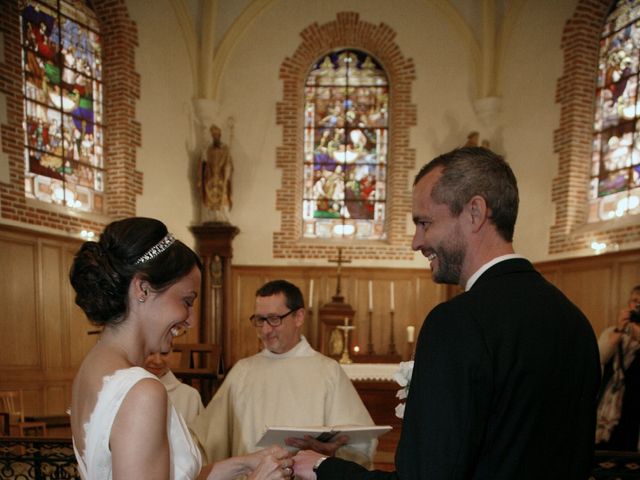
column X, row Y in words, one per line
column 273, row 463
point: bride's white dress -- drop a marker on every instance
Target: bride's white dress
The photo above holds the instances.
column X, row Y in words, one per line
column 96, row 462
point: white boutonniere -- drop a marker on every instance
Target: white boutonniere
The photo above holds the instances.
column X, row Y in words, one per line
column 403, row 377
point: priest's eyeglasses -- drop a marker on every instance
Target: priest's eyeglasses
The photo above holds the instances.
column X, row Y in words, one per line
column 273, row 320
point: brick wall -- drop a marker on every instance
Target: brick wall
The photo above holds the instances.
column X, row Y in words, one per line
column 347, row 31
column 575, row 92
column 122, row 132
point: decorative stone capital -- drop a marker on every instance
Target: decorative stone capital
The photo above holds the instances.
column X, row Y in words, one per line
column 488, row 109
column 206, row 111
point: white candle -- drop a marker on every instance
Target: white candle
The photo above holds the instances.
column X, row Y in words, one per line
column 411, row 330
column 311, row 294
column 370, row 296
column 393, row 300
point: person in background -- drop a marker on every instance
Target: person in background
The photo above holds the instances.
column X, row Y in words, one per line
column 184, row 397
column 618, row 426
column 506, row 374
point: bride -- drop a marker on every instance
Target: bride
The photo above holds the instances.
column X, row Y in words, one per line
column 140, row 284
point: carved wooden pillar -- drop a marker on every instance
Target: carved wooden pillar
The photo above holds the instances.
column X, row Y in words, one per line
column 213, row 244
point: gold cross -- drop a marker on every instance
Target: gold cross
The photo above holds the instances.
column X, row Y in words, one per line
column 339, row 261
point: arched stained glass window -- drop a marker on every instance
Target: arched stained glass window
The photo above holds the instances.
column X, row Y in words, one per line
column 61, row 61
column 615, row 165
column 345, row 147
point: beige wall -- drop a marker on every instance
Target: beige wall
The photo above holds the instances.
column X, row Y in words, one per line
column 444, row 47
column 530, row 68
column 164, row 112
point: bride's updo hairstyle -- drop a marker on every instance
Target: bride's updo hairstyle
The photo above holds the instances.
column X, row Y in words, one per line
column 102, row 271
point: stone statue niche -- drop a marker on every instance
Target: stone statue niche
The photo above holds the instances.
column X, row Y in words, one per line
column 214, row 180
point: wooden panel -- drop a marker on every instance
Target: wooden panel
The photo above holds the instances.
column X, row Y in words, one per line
column 629, row 278
column 590, row 289
column 58, row 398
column 53, row 321
column 598, row 285
column 33, row 399
column 19, row 300
column 241, row 337
column 35, row 318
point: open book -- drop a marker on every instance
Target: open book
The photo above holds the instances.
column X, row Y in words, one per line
column 357, row 434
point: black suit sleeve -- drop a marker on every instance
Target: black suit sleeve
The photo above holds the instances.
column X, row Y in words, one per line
column 338, row 469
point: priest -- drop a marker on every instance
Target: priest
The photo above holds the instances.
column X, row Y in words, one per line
column 286, row 384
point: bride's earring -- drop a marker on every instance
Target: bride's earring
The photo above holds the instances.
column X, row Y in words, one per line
column 142, row 298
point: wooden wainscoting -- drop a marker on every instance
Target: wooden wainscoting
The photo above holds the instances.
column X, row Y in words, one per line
column 415, row 296
column 43, row 333
column 599, row 285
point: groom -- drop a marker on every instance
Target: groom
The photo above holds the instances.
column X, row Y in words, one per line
column 506, row 374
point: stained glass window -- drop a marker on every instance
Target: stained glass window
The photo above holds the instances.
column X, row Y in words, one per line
column 615, row 163
column 61, row 61
column 345, row 147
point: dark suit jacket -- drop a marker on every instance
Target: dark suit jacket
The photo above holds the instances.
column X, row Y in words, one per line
column 504, row 387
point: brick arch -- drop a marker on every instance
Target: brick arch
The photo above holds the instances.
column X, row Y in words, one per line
column 347, row 31
column 122, row 133
column 575, row 92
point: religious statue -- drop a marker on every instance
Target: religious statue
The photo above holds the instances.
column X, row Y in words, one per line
column 336, row 343
column 214, row 179
column 473, row 140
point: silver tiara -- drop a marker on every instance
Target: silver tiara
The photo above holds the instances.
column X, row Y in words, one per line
column 157, row 249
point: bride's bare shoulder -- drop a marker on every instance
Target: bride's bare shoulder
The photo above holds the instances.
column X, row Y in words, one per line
column 96, row 366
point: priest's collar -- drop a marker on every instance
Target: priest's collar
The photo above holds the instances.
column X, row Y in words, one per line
column 302, row 349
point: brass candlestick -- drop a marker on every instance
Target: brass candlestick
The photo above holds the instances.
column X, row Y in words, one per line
column 345, row 358
column 392, row 343
column 370, row 350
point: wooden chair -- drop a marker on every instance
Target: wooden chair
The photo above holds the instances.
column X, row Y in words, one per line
column 17, row 424
column 200, row 366
column 4, row 421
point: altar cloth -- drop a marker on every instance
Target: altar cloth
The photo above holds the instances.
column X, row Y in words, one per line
column 382, row 372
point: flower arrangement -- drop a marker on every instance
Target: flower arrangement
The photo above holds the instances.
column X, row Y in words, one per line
column 403, row 377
